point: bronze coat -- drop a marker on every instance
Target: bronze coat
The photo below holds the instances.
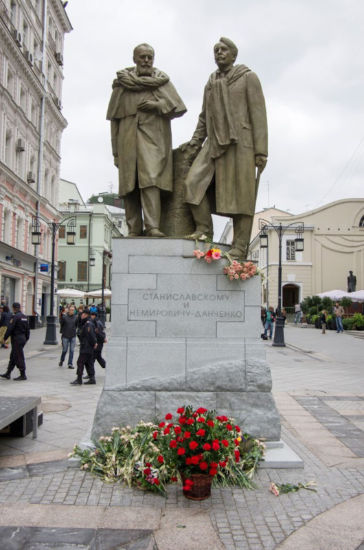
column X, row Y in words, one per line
column 142, row 141
column 234, row 170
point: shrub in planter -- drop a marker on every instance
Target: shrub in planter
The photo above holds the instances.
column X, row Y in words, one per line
column 330, row 322
column 314, row 319
column 348, row 323
column 358, row 321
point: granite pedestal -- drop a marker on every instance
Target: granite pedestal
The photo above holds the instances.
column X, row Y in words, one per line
column 182, row 333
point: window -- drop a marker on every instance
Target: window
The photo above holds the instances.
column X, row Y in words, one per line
column 23, row 99
column 7, row 226
column 10, row 82
column 62, row 231
column 13, row 12
column 19, row 236
column 83, row 231
column 361, row 223
column 290, row 250
column 82, row 271
column 62, row 269
column 8, row 148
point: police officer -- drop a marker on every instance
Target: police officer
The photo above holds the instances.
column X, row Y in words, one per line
column 100, row 337
column 19, row 332
column 88, row 344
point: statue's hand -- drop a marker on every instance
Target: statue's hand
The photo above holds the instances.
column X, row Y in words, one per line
column 149, row 105
column 260, row 162
column 190, row 150
column 116, row 162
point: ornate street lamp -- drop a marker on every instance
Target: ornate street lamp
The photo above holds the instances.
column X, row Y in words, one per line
column 71, row 233
column 36, row 233
column 51, row 338
column 299, row 246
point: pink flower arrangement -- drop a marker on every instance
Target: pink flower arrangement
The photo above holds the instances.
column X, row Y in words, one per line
column 242, row 271
column 238, row 271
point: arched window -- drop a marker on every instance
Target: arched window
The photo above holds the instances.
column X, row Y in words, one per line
column 361, row 223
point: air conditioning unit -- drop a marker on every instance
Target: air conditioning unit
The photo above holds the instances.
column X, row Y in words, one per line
column 17, row 37
column 30, row 177
column 29, row 58
column 20, row 145
column 59, row 58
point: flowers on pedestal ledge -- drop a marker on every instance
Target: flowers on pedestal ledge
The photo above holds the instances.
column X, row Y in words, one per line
column 150, row 456
column 234, row 270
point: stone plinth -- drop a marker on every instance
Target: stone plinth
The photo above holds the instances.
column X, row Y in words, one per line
column 181, row 334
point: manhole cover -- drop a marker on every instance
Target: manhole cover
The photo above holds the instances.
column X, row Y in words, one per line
column 54, row 404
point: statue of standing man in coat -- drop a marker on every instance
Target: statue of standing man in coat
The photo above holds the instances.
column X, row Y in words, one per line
column 141, row 107
column 229, row 144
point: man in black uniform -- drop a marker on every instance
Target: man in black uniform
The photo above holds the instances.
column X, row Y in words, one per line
column 100, row 337
column 18, row 330
column 88, row 344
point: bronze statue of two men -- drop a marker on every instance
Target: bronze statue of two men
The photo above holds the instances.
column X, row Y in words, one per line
column 227, row 152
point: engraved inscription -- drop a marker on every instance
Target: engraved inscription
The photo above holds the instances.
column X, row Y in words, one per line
column 153, row 305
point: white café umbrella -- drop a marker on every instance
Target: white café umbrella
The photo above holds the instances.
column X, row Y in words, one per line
column 98, row 293
column 70, row 293
column 334, row 294
column 357, row 296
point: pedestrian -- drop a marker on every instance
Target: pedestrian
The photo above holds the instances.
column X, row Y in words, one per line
column 263, row 314
column 323, row 320
column 4, row 323
column 339, row 312
column 297, row 313
column 100, row 337
column 68, row 331
column 269, row 323
column 88, row 344
column 284, row 315
column 19, row 332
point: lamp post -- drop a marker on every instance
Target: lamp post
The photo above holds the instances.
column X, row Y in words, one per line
column 92, row 261
column 51, row 338
column 280, row 229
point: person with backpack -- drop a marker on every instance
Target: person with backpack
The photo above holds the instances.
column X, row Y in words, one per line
column 88, row 344
column 269, row 320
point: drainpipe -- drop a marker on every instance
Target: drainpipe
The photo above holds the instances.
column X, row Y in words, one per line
column 88, row 253
column 41, row 145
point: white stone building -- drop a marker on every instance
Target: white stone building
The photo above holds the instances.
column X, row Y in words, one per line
column 333, row 245
column 31, row 125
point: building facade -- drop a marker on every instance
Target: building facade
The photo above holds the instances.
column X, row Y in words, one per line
column 31, row 125
column 333, row 246
column 87, row 263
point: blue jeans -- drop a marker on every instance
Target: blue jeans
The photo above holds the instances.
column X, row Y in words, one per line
column 339, row 324
column 71, row 342
column 268, row 326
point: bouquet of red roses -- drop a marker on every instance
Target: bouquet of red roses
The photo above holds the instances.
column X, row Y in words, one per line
column 198, row 442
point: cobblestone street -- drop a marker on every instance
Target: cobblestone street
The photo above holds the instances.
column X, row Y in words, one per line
column 317, row 387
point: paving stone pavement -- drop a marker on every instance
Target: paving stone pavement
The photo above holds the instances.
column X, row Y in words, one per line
column 317, row 388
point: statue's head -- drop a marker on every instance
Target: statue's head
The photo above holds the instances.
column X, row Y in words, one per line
column 225, row 53
column 143, row 57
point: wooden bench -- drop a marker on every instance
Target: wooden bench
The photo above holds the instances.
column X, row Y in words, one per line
column 13, row 408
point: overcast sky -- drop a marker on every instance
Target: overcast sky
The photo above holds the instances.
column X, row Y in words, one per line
column 308, row 55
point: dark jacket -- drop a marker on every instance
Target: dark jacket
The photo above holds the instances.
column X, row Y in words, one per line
column 87, row 336
column 18, row 328
column 68, row 325
column 5, row 318
column 99, row 331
